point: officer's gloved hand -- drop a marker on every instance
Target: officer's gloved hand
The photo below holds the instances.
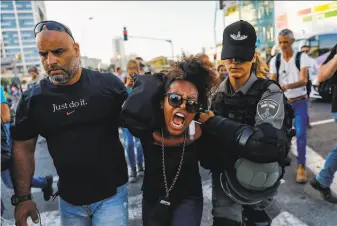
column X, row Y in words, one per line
column 264, row 146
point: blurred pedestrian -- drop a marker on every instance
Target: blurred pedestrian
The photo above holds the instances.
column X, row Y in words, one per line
column 135, row 160
column 324, row 179
column 290, row 70
column 122, row 76
column 222, row 72
column 35, row 75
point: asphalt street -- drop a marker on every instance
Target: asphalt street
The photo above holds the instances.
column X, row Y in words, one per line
column 293, row 200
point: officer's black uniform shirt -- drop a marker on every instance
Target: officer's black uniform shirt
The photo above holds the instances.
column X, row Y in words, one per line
column 80, row 124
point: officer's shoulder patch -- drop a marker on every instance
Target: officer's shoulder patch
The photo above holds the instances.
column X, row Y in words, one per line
column 267, row 108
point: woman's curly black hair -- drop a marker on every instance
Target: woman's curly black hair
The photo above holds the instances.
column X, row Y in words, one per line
column 199, row 71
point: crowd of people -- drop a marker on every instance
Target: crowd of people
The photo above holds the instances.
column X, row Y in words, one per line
column 235, row 120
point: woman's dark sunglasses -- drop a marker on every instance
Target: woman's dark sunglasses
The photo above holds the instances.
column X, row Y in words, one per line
column 176, row 100
column 53, row 26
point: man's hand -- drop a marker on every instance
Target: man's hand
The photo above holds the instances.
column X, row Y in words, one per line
column 129, row 82
column 24, row 210
column 204, row 116
column 284, row 87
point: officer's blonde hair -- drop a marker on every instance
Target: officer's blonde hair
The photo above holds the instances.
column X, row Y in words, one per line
column 261, row 69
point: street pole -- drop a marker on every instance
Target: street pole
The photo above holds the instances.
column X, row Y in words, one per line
column 172, row 50
column 215, row 16
column 83, row 35
column 158, row 39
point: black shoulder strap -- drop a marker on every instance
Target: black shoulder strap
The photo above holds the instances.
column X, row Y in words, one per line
column 278, row 64
column 298, row 60
column 258, row 87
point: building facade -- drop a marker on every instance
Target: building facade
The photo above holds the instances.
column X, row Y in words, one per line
column 18, row 19
column 261, row 15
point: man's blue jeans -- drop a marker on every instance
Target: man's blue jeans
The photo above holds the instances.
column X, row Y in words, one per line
column 325, row 177
column 129, row 144
column 37, row 182
column 110, row 211
column 301, row 119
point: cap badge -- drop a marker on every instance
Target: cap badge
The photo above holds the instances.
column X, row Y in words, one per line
column 238, row 36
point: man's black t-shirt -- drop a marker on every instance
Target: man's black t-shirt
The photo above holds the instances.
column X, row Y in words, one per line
column 333, row 79
column 80, row 123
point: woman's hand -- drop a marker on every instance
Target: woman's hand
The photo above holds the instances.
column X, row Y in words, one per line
column 129, row 82
column 204, row 116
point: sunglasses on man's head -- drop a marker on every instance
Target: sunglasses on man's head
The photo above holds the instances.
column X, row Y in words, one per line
column 52, row 26
column 176, row 100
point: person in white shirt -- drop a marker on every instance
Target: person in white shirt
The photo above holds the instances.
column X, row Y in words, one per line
column 290, row 69
column 121, row 75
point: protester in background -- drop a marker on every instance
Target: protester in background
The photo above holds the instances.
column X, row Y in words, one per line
column 36, row 78
column 274, row 51
column 290, row 70
column 141, row 65
column 130, row 142
column 324, row 179
column 5, row 153
column 77, row 111
column 222, row 72
column 15, row 95
column 5, row 111
column 312, row 74
column 120, row 74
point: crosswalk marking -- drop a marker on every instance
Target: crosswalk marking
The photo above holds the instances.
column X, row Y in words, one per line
column 322, row 122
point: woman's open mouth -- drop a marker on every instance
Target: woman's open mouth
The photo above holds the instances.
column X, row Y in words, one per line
column 178, row 120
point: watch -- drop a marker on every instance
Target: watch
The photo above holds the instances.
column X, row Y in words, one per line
column 15, row 200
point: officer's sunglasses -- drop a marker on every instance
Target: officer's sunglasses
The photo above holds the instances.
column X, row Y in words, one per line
column 176, row 100
column 52, row 26
column 237, row 61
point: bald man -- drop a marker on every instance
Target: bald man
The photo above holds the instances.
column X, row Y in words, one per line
column 77, row 111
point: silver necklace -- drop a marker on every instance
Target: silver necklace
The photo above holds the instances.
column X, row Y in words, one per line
column 167, row 190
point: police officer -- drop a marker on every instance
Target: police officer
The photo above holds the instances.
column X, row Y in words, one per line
column 252, row 112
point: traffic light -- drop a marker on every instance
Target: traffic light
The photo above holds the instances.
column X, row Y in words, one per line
column 221, row 4
column 18, row 57
column 125, row 33
column 214, row 55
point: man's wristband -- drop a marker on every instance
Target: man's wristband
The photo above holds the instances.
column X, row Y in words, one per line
column 15, row 200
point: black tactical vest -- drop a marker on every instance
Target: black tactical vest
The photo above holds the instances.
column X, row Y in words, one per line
column 240, row 108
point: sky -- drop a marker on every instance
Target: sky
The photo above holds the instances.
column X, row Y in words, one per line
column 189, row 24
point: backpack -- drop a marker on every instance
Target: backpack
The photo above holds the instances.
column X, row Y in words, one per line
column 298, row 65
